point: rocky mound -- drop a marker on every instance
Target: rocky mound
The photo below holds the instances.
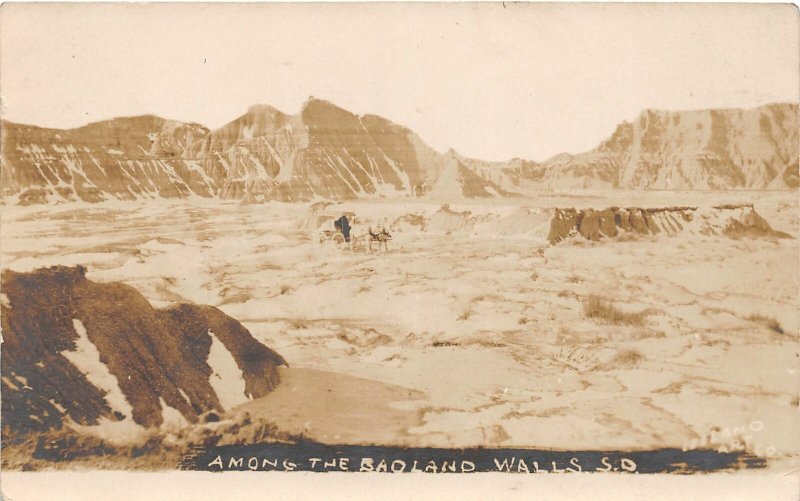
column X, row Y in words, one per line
column 528, row 222
column 447, row 220
column 81, row 353
column 316, row 217
column 409, row 222
column 728, row 220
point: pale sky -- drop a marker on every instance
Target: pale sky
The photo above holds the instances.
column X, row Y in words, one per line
column 525, row 81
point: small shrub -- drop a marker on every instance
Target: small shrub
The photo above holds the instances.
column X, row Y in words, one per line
column 440, row 344
column 768, row 322
column 628, row 358
column 67, row 445
column 598, row 308
column 298, row 323
column 624, row 359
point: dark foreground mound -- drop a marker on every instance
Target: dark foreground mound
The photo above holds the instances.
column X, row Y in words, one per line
column 85, row 352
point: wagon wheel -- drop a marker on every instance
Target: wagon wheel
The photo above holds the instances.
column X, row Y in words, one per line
column 338, row 239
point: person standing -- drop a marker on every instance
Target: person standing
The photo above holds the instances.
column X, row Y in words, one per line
column 343, row 224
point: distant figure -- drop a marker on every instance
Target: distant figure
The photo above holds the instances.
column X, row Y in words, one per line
column 343, row 225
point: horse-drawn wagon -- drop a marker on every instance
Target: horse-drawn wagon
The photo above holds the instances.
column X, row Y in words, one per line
column 342, row 234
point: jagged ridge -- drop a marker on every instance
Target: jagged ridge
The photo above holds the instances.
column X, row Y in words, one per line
column 729, row 220
column 698, row 150
column 326, row 152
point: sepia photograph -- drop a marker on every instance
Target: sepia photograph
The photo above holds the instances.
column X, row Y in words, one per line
column 322, row 242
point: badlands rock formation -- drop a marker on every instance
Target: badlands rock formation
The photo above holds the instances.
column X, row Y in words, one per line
column 329, row 153
column 321, row 152
column 700, row 150
column 557, row 224
column 733, row 221
column 685, row 150
column 124, row 158
column 82, row 353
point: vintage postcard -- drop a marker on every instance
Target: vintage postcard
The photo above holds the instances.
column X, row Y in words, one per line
column 334, row 242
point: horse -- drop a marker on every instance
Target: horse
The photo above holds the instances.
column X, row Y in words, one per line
column 381, row 237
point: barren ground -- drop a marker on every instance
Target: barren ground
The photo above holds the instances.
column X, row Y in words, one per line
column 474, row 337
